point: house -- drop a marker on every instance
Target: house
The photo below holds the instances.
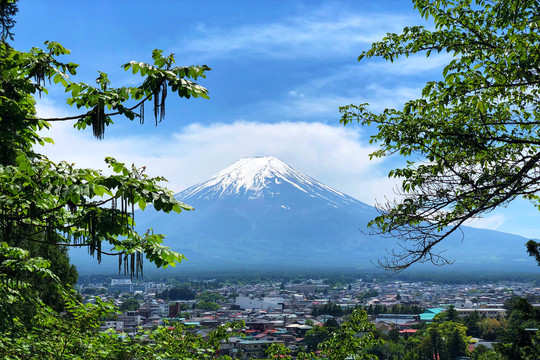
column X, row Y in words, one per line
column 298, row 329
column 397, row 318
column 253, row 349
column 407, row 332
column 117, row 325
column 383, row 327
column 260, row 326
column 131, row 319
column 429, row 314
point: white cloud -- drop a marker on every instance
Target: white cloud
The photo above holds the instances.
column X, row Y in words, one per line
column 412, row 65
column 296, row 94
column 311, row 35
column 337, row 156
column 492, row 222
column 46, row 108
column 319, row 105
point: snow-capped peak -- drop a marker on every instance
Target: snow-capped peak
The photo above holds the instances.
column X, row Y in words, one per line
column 251, row 173
column 264, row 177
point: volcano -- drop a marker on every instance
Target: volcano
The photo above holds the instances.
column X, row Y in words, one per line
column 260, row 213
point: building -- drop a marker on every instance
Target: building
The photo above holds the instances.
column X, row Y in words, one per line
column 429, row 314
column 265, row 303
column 489, row 313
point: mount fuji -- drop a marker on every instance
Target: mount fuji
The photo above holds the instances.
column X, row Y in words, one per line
column 260, row 213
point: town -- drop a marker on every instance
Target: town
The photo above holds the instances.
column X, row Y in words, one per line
column 286, row 312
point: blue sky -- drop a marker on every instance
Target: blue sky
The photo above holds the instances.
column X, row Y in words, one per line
column 280, row 70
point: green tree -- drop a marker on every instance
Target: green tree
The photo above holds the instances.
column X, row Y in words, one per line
column 444, row 340
column 129, row 305
column 46, row 207
column 393, row 334
column 456, row 345
column 491, row 328
column 475, row 131
column 521, row 339
column 210, row 296
column 278, row 351
column 352, row 340
column 316, row 336
column 182, row 293
column 471, row 321
column 432, row 345
column 450, row 314
column 207, row 305
column 489, row 355
column 331, row 324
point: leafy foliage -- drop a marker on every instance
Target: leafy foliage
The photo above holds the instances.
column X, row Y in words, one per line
column 178, row 293
column 521, row 339
column 351, row 340
column 316, row 336
column 129, row 305
column 46, row 207
column 42, row 201
column 77, row 335
column 475, row 132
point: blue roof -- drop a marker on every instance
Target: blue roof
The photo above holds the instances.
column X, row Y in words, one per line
column 430, row 314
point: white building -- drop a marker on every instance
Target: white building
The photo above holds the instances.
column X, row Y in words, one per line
column 265, row 303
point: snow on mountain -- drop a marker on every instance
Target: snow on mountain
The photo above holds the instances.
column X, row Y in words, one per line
column 260, row 177
column 261, row 213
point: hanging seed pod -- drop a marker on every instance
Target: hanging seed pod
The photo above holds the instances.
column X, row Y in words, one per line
column 162, row 104
column 97, row 116
column 132, row 263
column 113, row 210
column 155, row 93
column 139, row 264
column 98, row 243
column 39, row 74
column 132, row 211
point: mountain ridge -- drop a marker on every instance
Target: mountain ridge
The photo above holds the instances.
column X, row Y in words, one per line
column 260, row 212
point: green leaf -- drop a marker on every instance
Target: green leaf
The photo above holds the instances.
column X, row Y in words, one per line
column 100, row 190
column 135, row 68
column 142, row 204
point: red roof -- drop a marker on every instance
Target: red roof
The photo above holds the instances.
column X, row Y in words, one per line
column 408, row 331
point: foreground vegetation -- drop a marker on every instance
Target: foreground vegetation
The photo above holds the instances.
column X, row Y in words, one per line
column 45, row 207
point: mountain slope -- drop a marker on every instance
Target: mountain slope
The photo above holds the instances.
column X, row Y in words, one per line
column 261, row 213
